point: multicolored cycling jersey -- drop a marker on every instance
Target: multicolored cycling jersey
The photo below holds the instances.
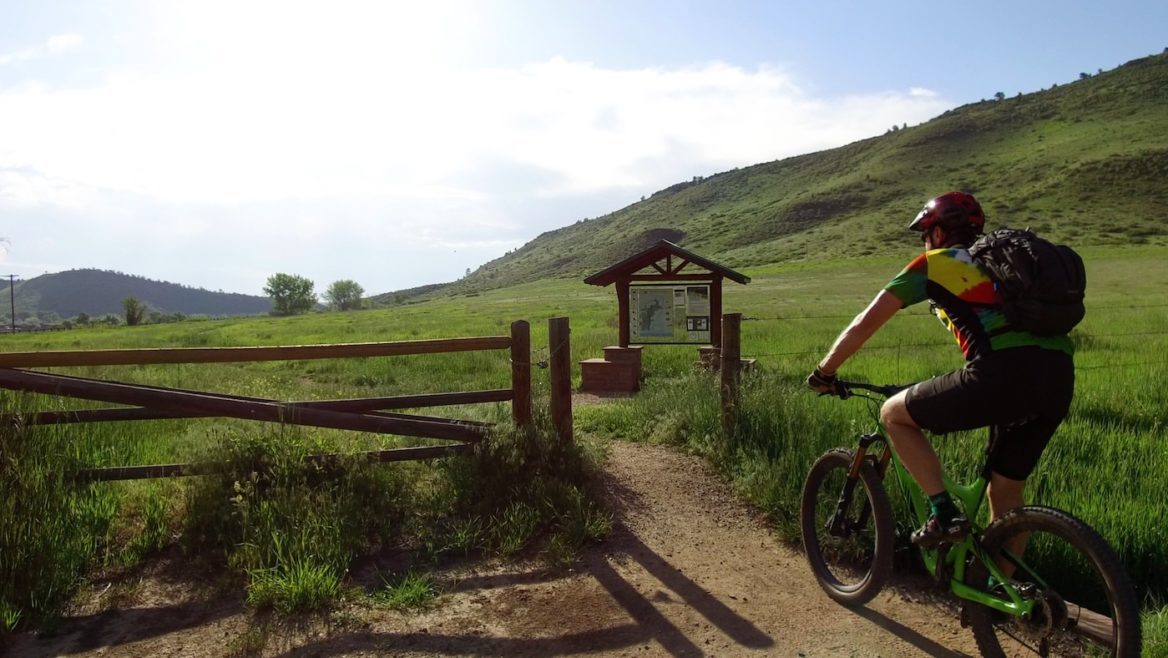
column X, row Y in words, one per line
column 966, row 302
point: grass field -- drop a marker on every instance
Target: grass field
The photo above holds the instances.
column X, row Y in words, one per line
column 1105, row 465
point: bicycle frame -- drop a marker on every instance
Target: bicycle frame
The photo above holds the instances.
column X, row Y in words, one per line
column 947, row 560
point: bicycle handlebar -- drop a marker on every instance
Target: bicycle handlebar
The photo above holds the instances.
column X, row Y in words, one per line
column 888, row 390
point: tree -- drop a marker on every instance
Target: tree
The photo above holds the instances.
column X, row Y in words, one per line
column 290, row 294
column 1000, row 95
column 135, row 311
column 344, row 295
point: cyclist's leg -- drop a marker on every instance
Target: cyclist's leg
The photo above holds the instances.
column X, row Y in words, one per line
column 1013, row 453
column 946, row 522
column 1005, row 494
column 1016, row 444
column 911, row 445
column 942, row 404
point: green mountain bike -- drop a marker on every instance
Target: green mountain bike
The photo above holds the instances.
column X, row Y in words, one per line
column 1038, row 575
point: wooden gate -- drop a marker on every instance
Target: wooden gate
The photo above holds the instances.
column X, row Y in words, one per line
column 362, row 414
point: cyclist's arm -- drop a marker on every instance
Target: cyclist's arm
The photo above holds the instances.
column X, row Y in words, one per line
column 883, row 306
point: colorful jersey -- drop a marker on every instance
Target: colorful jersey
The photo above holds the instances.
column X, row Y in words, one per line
column 966, row 302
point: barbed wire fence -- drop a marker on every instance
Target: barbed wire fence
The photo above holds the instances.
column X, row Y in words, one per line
column 540, row 356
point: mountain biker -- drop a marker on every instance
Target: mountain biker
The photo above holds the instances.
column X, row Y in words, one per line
column 1016, row 383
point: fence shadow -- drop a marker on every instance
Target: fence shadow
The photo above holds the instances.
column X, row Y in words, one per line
column 907, row 634
column 114, row 628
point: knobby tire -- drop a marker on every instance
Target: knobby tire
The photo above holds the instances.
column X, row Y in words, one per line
column 1077, row 564
column 850, row 570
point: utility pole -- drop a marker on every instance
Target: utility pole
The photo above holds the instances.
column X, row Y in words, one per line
column 12, row 299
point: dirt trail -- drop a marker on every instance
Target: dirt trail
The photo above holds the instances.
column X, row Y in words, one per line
column 687, row 571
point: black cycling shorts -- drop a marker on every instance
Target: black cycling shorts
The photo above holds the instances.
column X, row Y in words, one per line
column 1021, row 394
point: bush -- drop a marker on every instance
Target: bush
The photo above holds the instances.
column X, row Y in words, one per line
column 288, row 525
column 520, row 487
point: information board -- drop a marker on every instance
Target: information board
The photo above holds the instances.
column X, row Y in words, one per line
column 669, row 314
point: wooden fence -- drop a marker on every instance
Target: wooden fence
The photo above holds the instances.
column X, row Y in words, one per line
column 143, row 402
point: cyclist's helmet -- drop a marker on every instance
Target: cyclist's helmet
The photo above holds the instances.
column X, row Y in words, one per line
column 952, row 210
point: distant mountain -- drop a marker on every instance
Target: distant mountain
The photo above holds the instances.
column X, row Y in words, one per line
column 98, row 292
column 1084, row 162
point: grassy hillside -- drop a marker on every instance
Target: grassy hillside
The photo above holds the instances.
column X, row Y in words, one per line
column 97, row 292
column 1083, row 162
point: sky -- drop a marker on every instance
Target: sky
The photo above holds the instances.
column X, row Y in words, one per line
column 400, row 143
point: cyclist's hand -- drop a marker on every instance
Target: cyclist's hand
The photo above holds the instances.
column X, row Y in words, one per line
column 823, row 383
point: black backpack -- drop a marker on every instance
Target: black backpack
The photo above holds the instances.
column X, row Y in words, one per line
column 1041, row 283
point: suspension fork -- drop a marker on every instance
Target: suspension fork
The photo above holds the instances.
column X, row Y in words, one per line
column 838, row 524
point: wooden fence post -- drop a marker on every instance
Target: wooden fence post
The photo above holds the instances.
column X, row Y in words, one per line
column 560, row 360
column 521, row 373
column 730, row 366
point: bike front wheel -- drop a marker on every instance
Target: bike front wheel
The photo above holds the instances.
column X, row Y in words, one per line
column 1084, row 603
column 847, row 528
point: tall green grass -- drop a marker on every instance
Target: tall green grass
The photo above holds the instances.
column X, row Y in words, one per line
column 525, row 488
column 290, row 526
column 51, row 527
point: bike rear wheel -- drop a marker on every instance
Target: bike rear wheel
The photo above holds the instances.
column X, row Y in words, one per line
column 1084, row 602
column 848, row 538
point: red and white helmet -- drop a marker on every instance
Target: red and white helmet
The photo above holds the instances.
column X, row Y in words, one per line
column 951, row 210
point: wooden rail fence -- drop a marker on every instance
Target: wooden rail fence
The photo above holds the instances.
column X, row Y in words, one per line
column 142, row 402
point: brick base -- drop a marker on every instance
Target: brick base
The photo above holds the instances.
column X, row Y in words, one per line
column 709, row 357
column 605, row 376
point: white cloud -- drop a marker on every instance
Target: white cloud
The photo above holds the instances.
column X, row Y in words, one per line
column 26, row 188
column 20, row 56
column 366, row 152
column 222, row 139
column 62, row 43
column 55, row 45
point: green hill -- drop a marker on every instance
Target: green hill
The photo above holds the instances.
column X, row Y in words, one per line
column 1084, row 162
column 98, row 292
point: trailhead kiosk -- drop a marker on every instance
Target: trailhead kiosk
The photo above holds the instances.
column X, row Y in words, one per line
column 665, row 296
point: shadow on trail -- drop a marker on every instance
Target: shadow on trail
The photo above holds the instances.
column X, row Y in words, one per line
column 94, row 632
column 649, row 624
column 738, row 628
column 646, row 622
column 907, row 634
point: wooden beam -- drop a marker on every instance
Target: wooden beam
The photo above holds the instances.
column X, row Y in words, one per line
column 239, row 354
column 730, row 372
column 560, row 377
column 705, row 278
column 521, row 373
column 204, row 404
column 366, row 405
column 716, row 312
column 623, row 314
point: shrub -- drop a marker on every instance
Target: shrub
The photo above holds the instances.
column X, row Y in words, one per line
column 291, row 525
column 521, row 486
